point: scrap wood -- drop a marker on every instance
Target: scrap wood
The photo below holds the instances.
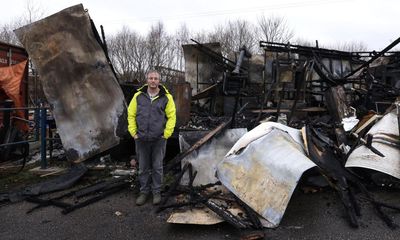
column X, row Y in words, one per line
column 46, row 202
column 207, row 92
column 191, row 202
column 173, row 187
column 254, row 235
column 182, row 188
column 104, row 186
column 58, row 183
column 102, row 195
column 365, row 122
column 251, row 214
column 201, row 216
column 333, row 171
column 196, row 197
column 226, row 215
column 342, row 180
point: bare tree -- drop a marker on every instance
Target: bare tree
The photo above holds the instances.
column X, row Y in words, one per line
column 233, row 35
column 133, row 54
column 129, row 55
column 7, row 35
column 243, row 33
column 304, row 42
column 160, row 47
column 32, row 12
column 182, row 36
column 353, row 46
column 274, row 29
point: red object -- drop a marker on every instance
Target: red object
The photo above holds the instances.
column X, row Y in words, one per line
column 13, row 78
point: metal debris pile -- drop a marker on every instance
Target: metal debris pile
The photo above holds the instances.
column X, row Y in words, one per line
column 330, row 113
column 256, row 125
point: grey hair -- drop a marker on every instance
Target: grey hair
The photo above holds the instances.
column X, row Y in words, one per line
column 153, row 71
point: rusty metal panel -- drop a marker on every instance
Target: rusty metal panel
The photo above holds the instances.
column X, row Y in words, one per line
column 11, row 52
column 386, row 140
column 87, row 102
column 182, row 94
column 263, row 169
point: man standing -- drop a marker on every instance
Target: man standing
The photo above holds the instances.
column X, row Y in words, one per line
column 151, row 121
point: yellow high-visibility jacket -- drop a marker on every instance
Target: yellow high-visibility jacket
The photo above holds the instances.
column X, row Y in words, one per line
column 151, row 119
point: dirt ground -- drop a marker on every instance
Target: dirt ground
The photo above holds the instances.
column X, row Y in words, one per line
column 308, row 216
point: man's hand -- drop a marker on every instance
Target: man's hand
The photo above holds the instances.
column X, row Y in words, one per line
column 136, row 136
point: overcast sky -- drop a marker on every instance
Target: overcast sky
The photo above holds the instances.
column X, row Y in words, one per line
column 374, row 22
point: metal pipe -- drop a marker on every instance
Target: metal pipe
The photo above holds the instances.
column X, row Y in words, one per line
column 15, row 143
column 19, row 108
column 43, row 119
column 243, row 53
column 239, row 61
column 37, row 123
column 21, row 119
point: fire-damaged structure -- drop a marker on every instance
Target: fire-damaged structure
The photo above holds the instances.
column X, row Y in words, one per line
column 334, row 96
column 291, row 78
column 262, row 121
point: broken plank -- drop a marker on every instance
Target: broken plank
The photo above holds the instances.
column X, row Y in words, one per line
column 177, row 159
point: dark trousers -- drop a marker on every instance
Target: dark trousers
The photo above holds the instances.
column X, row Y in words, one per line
column 150, row 155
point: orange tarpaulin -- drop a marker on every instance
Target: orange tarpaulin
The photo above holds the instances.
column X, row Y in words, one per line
column 10, row 83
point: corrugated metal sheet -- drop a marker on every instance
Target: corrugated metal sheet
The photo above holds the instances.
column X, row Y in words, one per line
column 88, row 104
column 263, row 169
column 386, row 140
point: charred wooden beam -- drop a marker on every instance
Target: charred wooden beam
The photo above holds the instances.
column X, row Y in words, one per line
column 177, row 159
column 96, row 198
column 251, row 214
column 225, row 62
column 46, row 202
column 197, row 188
column 340, row 179
column 205, row 93
column 336, row 103
column 333, row 171
column 381, row 53
column 226, row 215
column 173, row 186
column 192, row 202
column 103, row 185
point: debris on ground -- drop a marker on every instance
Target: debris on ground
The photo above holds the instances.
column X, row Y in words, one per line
column 251, row 131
